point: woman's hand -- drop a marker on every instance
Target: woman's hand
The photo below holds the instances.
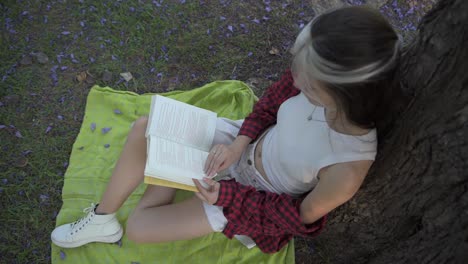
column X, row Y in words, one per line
column 209, row 195
column 220, row 158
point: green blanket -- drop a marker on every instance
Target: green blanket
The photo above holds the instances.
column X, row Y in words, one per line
column 92, row 160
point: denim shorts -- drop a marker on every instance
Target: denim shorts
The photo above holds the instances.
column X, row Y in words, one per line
column 243, row 171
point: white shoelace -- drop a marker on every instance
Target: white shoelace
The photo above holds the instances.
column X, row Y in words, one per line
column 87, row 210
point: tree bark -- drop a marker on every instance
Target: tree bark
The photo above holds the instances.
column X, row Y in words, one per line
column 413, row 206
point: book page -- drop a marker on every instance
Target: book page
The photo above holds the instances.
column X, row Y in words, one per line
column 172, row 161
column 182, row 123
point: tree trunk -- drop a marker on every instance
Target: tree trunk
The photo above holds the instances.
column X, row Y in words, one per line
column 413, row 206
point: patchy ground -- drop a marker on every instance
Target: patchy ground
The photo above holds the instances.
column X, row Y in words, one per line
column 52, row 52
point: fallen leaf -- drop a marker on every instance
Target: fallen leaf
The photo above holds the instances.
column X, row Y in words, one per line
column 93, row 127
column 26, row 60
column 117, row 111
column 90, row 79
column 81, row 77
column 126, row 75
column 40, row 57
column 107, row 76
column 21, row 162
column 274, row 51
column 85, row 76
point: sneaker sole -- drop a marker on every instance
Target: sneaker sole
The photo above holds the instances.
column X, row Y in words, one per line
column 105, row 239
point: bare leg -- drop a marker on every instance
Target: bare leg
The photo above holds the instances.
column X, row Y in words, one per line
column 179, row 221
column 129, row 172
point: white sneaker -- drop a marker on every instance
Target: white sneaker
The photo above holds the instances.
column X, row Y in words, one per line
column 91, row 228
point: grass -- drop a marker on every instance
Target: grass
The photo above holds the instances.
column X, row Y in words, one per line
column 166, row 45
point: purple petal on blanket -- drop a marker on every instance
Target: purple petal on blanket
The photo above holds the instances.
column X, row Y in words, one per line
column 106, row 145
column 106, row 129
column 93, row 127
column 117, row 111
column 62, row 255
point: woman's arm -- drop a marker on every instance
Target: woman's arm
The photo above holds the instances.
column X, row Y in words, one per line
column 252, row 212
column 240, row 143
column 266, row 109
column 338, row 183
column 258, row 212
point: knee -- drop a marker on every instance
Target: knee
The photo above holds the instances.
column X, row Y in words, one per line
column 134, row 231
column 139, row 126
column 140, row 123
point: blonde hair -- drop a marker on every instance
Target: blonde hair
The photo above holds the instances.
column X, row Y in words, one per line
column 353, row 53
column 306, row 57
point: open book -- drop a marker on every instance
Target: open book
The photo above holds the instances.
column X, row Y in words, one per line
column 179, row 138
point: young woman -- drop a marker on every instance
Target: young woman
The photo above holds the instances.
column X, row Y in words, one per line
column 303, row 151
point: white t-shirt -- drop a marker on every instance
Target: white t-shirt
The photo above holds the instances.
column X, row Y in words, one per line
column 295, row 149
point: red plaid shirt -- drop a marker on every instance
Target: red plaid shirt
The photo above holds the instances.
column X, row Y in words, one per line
column 270, row 219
